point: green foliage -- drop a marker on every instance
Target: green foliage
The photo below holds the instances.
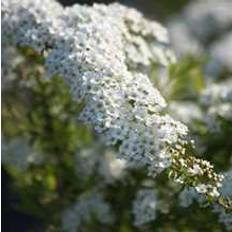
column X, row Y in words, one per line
column 184, row 81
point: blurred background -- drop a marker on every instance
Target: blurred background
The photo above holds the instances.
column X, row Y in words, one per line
column 159, row 10
column 200, row 34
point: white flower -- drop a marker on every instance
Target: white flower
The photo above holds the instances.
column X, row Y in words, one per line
column 87, row 47
column 195, row 170
column 201, row 188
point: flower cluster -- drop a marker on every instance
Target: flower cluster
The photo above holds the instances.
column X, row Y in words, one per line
column 144, row 207
column 88, row 207
column 206, row 28
column 189, row 195
column 192, row 172
column 217, row 98
column 32, row 20
column 88, row 50
column 145, row 42
column 88, row 47
column 205, row 33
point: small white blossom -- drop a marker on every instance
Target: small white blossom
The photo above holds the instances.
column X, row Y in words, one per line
column 201, row 188
column 195, row 170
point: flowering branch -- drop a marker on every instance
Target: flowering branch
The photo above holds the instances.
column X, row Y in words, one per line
column 104, row 54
